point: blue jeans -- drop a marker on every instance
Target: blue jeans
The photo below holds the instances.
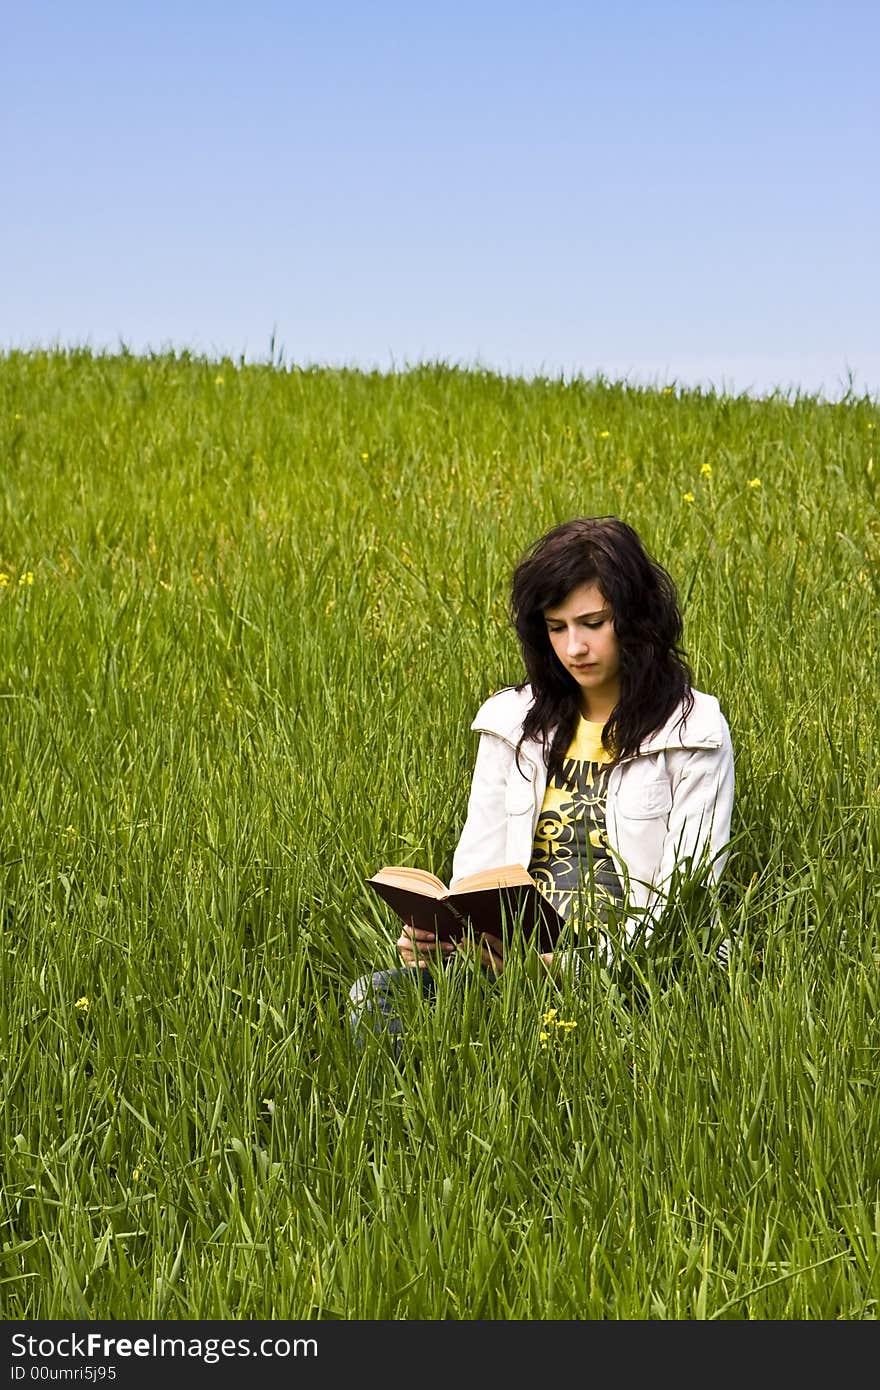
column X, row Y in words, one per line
column 376, row 1001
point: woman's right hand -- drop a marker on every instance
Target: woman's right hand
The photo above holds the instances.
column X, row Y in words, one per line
column 421, row 948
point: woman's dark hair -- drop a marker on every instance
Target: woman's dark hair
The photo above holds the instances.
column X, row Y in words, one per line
column 654, row 675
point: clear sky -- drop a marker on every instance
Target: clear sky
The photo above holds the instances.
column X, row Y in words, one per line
column 665, row 191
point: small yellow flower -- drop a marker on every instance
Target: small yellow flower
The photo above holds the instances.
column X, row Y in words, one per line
column 551, row 1021
column 4, row 581
column 668, row 390
column 329, row 606
column 688, row 496
column 26, row 578
column 603, row 434
column 135, row 1173
column 19, row 416
column 218, row 380
column 82, row 1005
column 754, row 482
column 365, row 456
column 706, row 470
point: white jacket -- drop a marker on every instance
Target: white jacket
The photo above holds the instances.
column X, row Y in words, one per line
column 670, row 803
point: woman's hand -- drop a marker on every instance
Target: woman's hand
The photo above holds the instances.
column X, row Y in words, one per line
column 421, row 948
column 489, row 951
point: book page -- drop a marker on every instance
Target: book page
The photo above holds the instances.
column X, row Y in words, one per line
column 507, row 876
column 416, row 880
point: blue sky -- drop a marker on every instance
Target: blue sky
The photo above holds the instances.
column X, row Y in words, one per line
column 660, row 192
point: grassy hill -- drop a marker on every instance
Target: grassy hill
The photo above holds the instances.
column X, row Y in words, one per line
column 246, row 617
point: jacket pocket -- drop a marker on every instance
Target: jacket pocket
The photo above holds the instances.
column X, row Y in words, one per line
column 644, row 800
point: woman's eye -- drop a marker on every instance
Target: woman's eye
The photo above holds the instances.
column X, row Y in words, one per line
column 554, row 631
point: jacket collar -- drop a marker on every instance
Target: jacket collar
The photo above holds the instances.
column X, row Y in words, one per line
column 703, row 727
column 503, row 714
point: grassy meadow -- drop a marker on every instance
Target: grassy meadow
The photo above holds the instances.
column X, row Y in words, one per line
column 247, row 614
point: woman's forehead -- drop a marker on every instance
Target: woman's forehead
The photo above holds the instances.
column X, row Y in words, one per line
column 585, row 600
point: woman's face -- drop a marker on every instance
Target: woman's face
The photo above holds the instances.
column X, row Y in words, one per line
column 581, row 632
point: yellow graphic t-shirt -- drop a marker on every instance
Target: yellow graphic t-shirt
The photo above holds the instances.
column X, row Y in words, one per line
column 571, row 863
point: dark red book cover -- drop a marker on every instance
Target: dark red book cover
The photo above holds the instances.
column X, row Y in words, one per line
column 519, row 908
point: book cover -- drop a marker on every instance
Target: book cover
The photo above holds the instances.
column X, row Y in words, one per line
column 495, row 901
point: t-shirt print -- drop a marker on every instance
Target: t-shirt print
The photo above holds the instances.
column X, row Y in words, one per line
column 571, row 862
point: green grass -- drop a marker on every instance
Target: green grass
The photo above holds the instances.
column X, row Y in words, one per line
column 265, row 605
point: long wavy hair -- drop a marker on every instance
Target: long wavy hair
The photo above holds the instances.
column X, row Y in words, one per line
column 655, row 677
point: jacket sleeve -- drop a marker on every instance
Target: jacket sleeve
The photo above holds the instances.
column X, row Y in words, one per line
column 698, row 830
column 483, row 840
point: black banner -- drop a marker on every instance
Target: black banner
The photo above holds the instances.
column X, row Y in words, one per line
column 196, row 1354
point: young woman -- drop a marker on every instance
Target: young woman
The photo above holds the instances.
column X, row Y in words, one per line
column 604, row 773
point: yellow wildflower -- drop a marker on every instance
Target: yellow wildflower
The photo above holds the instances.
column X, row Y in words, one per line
column 754, row 482
column 706, row 470
column 26, row 578
column 603, row 434
column 4, row 581
column 365, row 456
column 135, row 1173
column 668, row 390
column 551, row 1021
column 82, row 1005
column 688, row 496
column 218, row 380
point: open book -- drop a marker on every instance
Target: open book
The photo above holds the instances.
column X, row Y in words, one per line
column 496, row 901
